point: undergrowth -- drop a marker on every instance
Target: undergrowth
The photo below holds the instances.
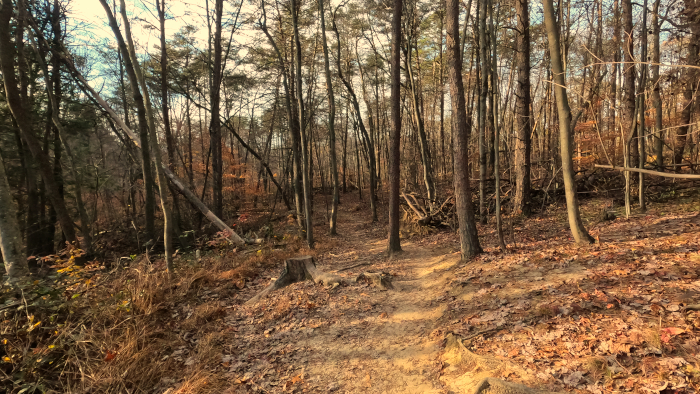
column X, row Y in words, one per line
column 88, row 329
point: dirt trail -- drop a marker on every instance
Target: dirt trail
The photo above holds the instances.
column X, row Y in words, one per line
column 389, row 348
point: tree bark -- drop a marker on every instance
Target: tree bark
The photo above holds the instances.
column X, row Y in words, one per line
column 146, row 118
column 294, row 127
column 21, row 116
column 521, row 202
column 656, row 92
column 469, row 240
column 394, row 245
column 85, row 222
column 496, row 130
column 331, row 124
column 10, row 236
column 629, row 72
column 165, row 106
column 215, row 124
column 306, row 182
column 578, row 231
column 690, row 84
column 641, row 129
column 483, row 90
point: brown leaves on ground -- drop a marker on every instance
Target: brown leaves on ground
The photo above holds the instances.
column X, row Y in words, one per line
column 610, row 317
column 619, row 316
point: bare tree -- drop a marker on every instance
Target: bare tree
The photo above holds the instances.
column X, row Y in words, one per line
column 331, row 122
column 395, row 131
column 306, row 182
column 565, row 133
column 468, row 236
column 521, row 202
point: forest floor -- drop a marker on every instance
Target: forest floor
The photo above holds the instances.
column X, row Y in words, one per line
column 616, row 316
column 621, row 315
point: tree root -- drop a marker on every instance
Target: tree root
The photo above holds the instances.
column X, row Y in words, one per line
column 474, row 373
column 379, row 279
column 298, row 269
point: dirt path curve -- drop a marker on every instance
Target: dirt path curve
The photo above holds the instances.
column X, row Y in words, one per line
column 388, row 347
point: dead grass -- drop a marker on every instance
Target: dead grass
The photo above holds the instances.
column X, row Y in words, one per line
column 133, row 332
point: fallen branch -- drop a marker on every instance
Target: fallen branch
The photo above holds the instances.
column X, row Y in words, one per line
column 650, row 172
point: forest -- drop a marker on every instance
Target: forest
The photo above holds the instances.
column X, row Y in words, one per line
column 475, row 196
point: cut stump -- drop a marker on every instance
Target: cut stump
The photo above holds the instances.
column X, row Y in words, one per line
column 298, row 269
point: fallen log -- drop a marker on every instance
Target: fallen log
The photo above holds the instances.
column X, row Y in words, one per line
column 298, row 269
column 651, row 172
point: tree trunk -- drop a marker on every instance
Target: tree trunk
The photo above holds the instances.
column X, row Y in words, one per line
column 85, row 222
column 21, row 116
column 565, row 133
column 394, row 245
column 656, row 92
column 629, row 76
column 293, row 123
column 169, row 141
column 146, row 122
column 306, row 182
column 420, row 126
column 10, row 236
column 468, row 236
column 369, row 146
column 521, row 202
column 331, row 124
column 483, row 91
column 690, row 74
column 641, row 129
column 215, row 125
column 496, row 130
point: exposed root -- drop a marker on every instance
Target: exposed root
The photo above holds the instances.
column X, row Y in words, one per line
column 298, row 269
column 466, row 372
column 379, row 279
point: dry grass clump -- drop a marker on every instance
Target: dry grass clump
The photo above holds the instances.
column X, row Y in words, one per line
column 135, row 329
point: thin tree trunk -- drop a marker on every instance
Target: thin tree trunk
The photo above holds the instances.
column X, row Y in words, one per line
column 468, row 236
column 656, row 92
column 496, row 130
column 21, row 116
column 169, row 141
column 642, row 110
column 420, row 126
column 521, row 203
column 215, row 125
column 367, row 142
column 304, row 144
column 146, row 122
column 85, row 222
column 10, row 235
column 483, row 207
column 394, row 158
column 293, row 123
column 331, row 124
column 565, row 133
column 629, row 76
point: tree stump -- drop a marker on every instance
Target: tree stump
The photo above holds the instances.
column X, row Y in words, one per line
column 298, row 269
